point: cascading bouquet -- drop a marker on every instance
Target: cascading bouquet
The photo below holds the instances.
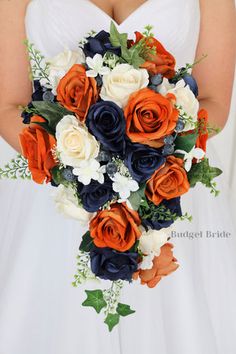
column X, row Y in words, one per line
column 119, row 133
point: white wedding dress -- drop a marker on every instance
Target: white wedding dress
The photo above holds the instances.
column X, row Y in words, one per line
column 190, row 312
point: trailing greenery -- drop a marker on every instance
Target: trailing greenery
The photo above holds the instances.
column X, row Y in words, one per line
column 202, row 172
column 83, row 272
column 148, row 210
column 39, row 68
column 183, row 71
column 108, row 301
column 16, row 168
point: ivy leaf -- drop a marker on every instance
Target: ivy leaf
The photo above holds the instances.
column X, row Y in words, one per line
column 136, row 198
column 87, row 242
column 52, row 112
column 186, row 142
column 95, row 299
column 132, row 56
column 124, row 310
column 117, row 39
column 112, row 320
column 202, row 172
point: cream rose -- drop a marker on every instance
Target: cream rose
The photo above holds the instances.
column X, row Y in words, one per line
column 67, row 204
column 61, row 64
column 74, row 142
column 184, row 97
column 121, row 82
column 151, row 241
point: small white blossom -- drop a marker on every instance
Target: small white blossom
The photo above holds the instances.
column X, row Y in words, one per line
column 124, row 185
column 147, row 261
column 195, row 153
column 89, row 170
column 96, row 66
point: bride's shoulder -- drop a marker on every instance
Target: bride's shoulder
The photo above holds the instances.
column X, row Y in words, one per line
column 14, row 5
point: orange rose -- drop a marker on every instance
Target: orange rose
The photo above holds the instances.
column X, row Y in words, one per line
column 163, row 265
column 162, row 62
column 150, row 117
column 116, row 228
column 77, row 92
column 203, row 132
column 36, row 145
column 167, row 182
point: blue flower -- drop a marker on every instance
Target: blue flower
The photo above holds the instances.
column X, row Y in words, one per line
column 175, row 208
column 142, row 161
column 105, row 120
column 100, row 44
column 107, row 263
column 189, row 80
column 95, row 195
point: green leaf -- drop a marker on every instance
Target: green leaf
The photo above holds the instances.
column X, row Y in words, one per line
column 124, row 310
column 186, row 142
column 136, row 197
column 95, row 299
column 112, row 320
column 132, row 56
column 202, row 172
column 46, row 127
column 52, row 112
column 57, row 176
column 117, row 39
column 87, row 242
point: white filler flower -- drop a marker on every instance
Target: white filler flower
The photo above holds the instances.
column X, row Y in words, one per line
column 89, row 170
column 123, row 80
column 74, row 142
column 96, row 66
column 124, row 185
column 67, row 204
column 195, row 153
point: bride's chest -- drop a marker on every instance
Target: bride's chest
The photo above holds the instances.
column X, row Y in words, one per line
column 55, row 24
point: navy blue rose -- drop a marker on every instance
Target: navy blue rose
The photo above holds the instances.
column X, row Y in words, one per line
column 105, row 120
column 189, row 80
column 142, row 161
column 40, row 94
column 107, row 263
column 95, row 195
column 100, row 44
column 174, row 207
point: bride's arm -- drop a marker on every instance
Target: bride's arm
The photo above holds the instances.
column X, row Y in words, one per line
column 15, row 86
column 215, row 74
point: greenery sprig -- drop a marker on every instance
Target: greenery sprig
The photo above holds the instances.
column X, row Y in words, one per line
column 16, row 168
column 39, row 68
column 185, row 70
column 83, row 272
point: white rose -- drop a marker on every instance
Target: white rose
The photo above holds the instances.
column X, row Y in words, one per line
column 121, row 82
column 151, row 241
column 74, row 142
column 61, row 64
column 184, row 97
column 67, row 204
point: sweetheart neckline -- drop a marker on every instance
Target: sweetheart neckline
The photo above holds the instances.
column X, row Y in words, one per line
column 131, row 15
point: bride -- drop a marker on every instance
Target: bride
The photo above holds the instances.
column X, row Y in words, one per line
column 192, row 311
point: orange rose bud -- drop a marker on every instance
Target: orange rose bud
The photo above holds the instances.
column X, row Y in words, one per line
column 116, row 228
column 162, row 62
column 169, row 181
column 36, row 145
column 163, row 265
column 77, row 92
column 37, row 119
column 203, row 132
column 150, row 117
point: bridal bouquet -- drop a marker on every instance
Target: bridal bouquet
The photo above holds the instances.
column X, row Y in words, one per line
column 119, row 133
